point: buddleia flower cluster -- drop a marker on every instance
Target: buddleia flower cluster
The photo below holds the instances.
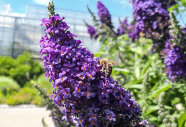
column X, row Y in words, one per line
column 103, row 26
column 92, row 32
column 152, row 19
column 123, row 27
column 175, row 58
column 104, row 14
column 80, row 88
column 165, row 3
column 175, row 61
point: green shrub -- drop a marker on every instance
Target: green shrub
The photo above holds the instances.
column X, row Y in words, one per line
column 21, row 69
column 44, row 83
column 6, row 63
column 24, row 96
column 20, row 74
column 37, row 101
column 7, row 84
column 2, row 98
column 36, row 69
column 25, row 58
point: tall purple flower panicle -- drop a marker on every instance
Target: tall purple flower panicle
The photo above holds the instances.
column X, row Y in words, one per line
column 152, row 19
column 175, row 61
column 80, row 88
column 123, row 27
column 104, row 14
column 92, row 32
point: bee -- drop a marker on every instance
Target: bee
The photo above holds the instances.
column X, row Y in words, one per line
column 142, row 34
column 107, row 66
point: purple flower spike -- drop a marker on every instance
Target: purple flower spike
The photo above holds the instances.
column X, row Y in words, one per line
column 175, row 61
column 123, row 27
column 92, row 32
column 152, row 19
column 80, row 88
column 104, row 14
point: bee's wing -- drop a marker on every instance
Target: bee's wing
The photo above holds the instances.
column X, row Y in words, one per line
column 113, row 62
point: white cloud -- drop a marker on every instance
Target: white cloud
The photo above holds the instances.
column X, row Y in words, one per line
column 42, row 2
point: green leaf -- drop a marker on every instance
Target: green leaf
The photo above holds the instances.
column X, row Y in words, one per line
column 183, row 1
column 146, row 67
column 133, row 86
column 182, row 120
column 159, row 90
column 137, row 50
column 137, row 72
column 167, row 107
column 99, row 54
column 123, row 37
column 99, row 38
column 152, row 118
column 171, row 8
column 123, row 70
column 151, row 109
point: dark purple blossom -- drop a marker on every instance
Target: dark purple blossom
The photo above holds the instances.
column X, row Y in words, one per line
column 92, row 32
column 80, row 88
column 152, row 19
column 80, row 122
column 164, row 3
column 104, row 14
column 123, row 27
column 175, row 61
column 110, row 115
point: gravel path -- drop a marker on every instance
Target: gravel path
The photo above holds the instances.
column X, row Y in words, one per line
column 24, row 116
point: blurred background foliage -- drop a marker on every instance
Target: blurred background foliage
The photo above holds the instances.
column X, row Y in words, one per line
column 16, row 80
column 21, row 69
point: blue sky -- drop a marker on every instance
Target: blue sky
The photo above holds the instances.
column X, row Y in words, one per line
column 116, row 7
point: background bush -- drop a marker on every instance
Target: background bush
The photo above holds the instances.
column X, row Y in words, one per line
column 15, row 80
column 2, row 98
column 21, row 69
column 7, row 84
column 25, row 96
column 44, row 83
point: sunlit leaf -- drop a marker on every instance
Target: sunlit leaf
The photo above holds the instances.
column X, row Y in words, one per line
column 151, row 109
column 159, row 90
column 99, row 54
column 123, row 70
column 182, row 120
